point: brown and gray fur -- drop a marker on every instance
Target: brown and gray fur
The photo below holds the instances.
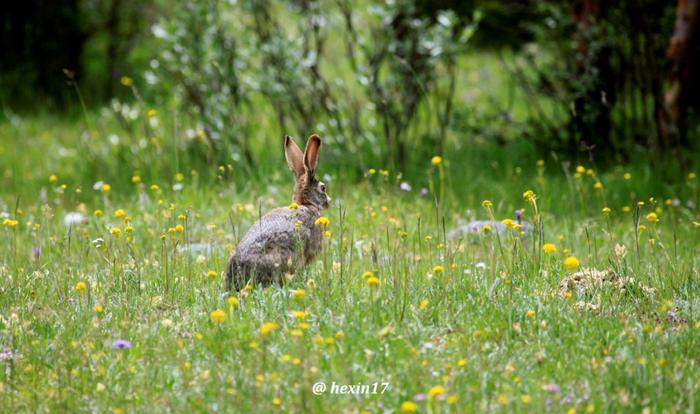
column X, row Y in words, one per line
column 274, row 245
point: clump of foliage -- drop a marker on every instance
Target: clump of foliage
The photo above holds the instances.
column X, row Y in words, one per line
column 401, row 68
column 603, row 65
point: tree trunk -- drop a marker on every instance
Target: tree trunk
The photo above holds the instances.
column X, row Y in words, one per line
column 683, row 58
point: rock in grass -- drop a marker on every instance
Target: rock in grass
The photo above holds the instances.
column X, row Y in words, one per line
column 591, row 280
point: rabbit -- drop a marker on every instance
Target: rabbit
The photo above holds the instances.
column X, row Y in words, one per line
column 285, row 239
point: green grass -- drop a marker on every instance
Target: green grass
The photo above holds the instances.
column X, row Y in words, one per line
column 491, row 328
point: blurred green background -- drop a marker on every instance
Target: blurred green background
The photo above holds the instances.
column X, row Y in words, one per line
column 387, row 84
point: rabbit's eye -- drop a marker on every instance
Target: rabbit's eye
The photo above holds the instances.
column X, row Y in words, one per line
column 322, row 187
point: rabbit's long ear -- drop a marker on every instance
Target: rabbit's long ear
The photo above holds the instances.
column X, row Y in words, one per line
column 294, row 156
column 311, row 154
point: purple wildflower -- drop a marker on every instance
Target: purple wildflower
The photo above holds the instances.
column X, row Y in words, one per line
column 419, row 397
column 122, row 344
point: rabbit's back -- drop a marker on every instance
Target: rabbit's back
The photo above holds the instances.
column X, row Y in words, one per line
column 277, row 243
column 272, row 232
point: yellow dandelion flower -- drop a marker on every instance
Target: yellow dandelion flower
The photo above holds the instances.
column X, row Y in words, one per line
column 529, row 195
column 598, row 185
column 322, row 221
column 626, row 209
column 423, row 304
column 152, row 113
column 10, row 222
column 135, row 179
column 298, row 294
column 106, row 188
column 571, row 263
column 652, row 217
column 436, row 391
column 606, row 211
column 452, row 399
column 373, row 281
column 232, row 301
column 127, row 81
column 155, row 188
column 294, row 206
column 549, row 248
column 268, row 327
column 119, row 213
column 462, row 363
column 438, row 269
column 80, row 286
column 99, row 309
column 218, row 316
column 436, row 160
column 128, row 229
column 201, row 134
column 300, row 314
column 276, row 401
column 510, row 224
column 179, row 177
column 179, row 228
column 367, row 275
column 487, row 204
column 98, row 213
column 115, row 231
column 409, row 407
column 627, row 176
column 580, row 169
column 212, row 274
column 53, row 178
column 486, row 229
column 526, row 399
column 530, row 313
column 339, row 335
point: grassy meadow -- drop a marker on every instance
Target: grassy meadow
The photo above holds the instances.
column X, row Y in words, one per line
column 112, row 286
column 114, row 237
